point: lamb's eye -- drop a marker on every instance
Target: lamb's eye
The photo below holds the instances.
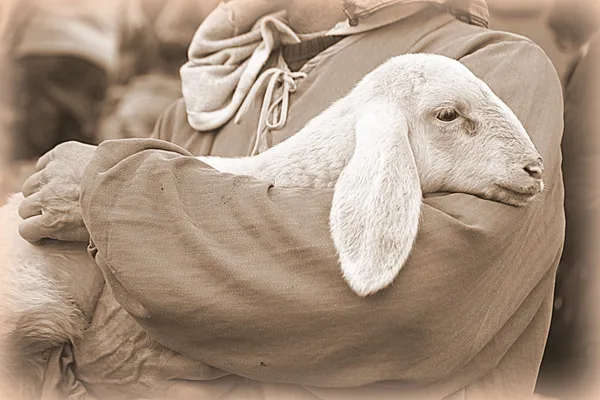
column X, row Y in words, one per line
column 447, row 115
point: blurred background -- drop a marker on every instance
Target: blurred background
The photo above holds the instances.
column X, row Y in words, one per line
column 92, row 71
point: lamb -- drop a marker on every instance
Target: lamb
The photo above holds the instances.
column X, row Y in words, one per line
column 419, row 123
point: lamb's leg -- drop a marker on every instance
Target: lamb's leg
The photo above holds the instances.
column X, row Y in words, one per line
column 47, row 291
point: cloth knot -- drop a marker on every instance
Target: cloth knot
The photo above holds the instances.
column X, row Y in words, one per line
column 273, row 114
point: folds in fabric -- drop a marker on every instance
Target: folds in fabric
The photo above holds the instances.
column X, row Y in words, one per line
column 225, row 60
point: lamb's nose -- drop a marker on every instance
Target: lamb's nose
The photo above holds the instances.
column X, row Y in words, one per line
column 534, row 169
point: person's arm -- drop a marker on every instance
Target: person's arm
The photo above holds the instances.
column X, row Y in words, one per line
column 244, row 276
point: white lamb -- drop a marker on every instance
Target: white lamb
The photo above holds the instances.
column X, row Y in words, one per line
column 416, row 124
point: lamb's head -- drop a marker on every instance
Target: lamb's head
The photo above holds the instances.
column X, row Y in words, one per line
column 464, row 138
column 424, row 123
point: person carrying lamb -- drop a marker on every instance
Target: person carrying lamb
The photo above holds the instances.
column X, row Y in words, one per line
column 468, row 319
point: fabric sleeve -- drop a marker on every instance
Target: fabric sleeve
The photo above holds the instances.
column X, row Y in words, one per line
column 244, row 276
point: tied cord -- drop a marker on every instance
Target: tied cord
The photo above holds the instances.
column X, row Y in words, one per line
column 273, row 114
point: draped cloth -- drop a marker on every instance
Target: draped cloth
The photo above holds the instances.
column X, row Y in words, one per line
column 231, row 48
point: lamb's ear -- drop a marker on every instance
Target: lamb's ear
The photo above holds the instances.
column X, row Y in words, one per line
column 377, row 201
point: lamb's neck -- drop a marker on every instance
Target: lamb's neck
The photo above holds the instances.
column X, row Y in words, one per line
column 313, row 157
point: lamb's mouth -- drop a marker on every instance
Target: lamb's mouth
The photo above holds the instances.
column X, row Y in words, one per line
column 513, row 196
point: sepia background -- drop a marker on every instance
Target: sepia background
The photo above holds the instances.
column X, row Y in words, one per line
column 123, row 96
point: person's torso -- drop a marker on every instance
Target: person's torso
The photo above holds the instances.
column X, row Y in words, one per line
column 330, row 75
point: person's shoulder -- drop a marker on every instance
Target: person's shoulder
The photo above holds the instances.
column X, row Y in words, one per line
column 504, row 56
column 477, row 40
column 512, row 45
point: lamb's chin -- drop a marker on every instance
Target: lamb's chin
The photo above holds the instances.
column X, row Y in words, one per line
column 511, row 197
